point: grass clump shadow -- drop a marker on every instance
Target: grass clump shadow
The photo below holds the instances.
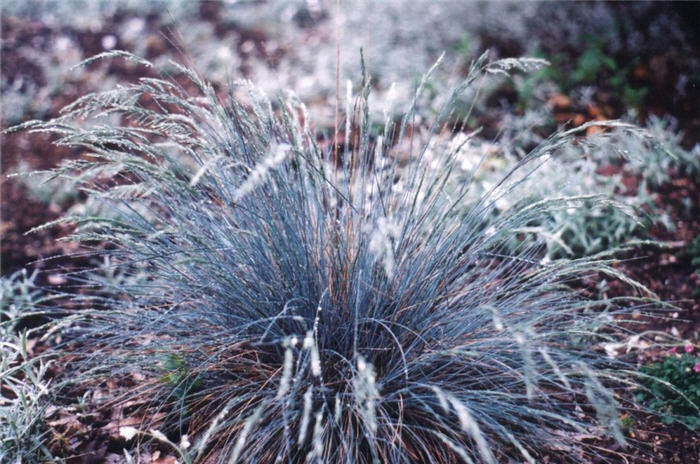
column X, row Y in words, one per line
column 308, row 304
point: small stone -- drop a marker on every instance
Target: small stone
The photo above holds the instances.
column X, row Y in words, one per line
column 128, row 432
column 109, row 42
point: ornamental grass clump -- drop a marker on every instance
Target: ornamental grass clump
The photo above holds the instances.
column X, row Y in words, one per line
column 311, row 303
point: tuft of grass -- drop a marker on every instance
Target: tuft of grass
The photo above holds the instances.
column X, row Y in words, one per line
column 302, row 306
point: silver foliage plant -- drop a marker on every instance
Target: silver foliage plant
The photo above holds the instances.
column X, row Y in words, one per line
column 311, row 303
column 23, row 375
column 585, row 227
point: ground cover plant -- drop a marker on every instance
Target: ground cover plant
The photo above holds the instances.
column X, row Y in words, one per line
column 333, row 304
column 24, row 386
column 673, row 387
column 590, row 228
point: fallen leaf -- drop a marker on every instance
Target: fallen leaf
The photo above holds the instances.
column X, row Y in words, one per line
column 560, row 101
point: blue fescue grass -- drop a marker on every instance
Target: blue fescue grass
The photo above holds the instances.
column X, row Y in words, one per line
column 319, row 305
